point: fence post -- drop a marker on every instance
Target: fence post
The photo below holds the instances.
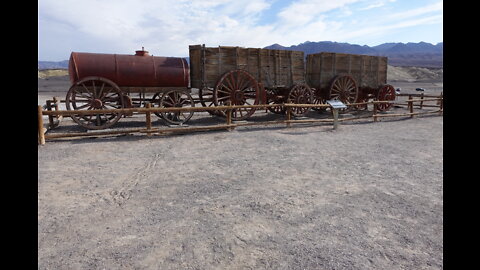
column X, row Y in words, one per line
column 229, row 116
column 421, row 102
column 335, row 118
column 148, row 118
column 41, row 135
column 289, row 115
column 441, row 103
column 375, row 109
column 410, row 105
column 50, row 117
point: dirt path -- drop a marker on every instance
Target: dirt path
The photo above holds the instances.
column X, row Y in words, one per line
column 366, row 196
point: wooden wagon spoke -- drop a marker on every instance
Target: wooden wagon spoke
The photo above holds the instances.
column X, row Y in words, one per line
column 80, row 94
column 223, row 98
column 168, row 104
column 88, row 90
column 184, row 101
column 231, row 81
column 84, row 106
column 225, row 92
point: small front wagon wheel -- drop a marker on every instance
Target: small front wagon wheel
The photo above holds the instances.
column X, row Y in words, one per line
column 176, row 99
column 300, row 94
column 385, row 93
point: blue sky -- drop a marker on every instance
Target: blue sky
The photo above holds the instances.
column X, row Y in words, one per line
column 167, row 27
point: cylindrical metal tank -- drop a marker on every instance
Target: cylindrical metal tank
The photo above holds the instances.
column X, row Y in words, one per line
column 139, row 70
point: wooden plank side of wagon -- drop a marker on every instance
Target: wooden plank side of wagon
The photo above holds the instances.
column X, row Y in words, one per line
column 270, row 67
column 382, row 70
column 281, row 68
column 374, row 71
column 297, row 68
column 195, row 52
column 368, row 71
column 321, row 69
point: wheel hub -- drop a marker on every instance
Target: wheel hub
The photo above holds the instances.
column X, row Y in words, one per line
column 238, row 96
column 97, row 103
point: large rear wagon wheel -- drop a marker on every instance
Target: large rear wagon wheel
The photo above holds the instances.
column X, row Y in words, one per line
column 95, row 93
column 344, row 88
column 239, row 88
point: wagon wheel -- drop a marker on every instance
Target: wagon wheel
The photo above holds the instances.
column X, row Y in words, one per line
column 360, row 99
column 239, row 88
column 206, row 99
column 178, row 99
column 272, row 98
column 386, row 92
column 318, row 99
column 300, row 94
column 344, row 88
column 155, row 101
column 95, row 93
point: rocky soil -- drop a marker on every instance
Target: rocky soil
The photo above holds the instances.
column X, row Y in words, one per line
column 368, row 195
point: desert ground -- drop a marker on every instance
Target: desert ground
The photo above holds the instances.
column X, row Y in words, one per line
column 368, row 195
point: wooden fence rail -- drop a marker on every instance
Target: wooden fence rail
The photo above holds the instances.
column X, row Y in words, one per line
column 47, row 110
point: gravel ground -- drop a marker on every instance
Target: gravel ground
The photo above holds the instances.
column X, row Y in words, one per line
column 365, row 196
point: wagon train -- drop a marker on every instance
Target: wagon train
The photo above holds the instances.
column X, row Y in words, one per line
column 223, row 76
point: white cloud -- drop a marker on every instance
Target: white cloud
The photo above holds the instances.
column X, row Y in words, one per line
column 167, row 27
column 418, row 11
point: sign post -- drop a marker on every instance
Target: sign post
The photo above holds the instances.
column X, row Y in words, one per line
column 336, row 105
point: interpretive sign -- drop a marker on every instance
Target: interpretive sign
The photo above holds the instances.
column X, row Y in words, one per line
column 336, row 104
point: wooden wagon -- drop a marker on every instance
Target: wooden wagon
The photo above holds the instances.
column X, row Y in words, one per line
column 350, row 78
column 248, row 76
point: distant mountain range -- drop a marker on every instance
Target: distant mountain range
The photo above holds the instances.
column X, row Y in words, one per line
column 53, row 65
column 419, row 54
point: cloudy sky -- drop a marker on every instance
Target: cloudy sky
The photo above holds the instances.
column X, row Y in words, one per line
column 167, row 27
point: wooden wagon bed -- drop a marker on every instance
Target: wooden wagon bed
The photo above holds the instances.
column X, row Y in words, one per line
column 348, row 77
column 272, row 68
column 368, row 71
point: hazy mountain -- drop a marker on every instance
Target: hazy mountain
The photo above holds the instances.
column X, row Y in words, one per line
column 53, row 65
column 420, row 54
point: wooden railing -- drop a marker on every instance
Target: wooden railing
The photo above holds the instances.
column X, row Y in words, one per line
column 51, row 109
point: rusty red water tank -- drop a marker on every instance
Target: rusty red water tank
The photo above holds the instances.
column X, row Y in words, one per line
column 139, row 70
